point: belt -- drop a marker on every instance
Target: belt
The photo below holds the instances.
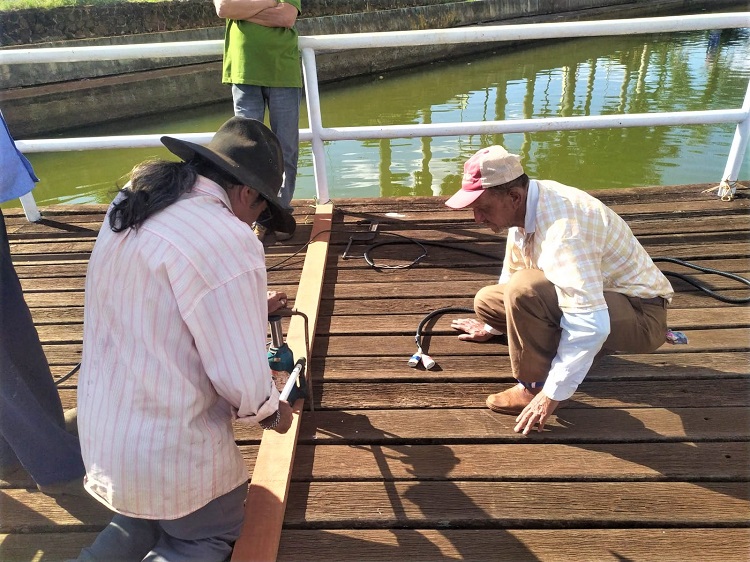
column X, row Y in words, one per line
column 659, row 301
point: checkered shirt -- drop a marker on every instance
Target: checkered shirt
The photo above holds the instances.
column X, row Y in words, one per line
column 583, row 247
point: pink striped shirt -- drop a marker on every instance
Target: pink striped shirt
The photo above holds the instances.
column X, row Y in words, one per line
column 174, row 349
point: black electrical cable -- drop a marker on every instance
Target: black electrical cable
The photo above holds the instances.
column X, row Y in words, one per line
column 438, row 312
column 70, row 374
column 422, row 244
column 701, row 287
column 686, row 278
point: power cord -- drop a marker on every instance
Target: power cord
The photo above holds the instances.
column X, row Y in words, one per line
column 703, row 288
column 429, row 363
column 422, row 245
column 72, row 372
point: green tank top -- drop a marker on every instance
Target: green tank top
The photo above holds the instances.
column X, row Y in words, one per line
column 262, row 56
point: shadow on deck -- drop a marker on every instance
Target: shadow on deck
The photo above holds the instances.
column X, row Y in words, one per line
column 650, row 460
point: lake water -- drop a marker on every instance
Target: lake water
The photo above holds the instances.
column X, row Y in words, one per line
column 597, row 76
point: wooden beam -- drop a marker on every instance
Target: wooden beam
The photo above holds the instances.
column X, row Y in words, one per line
column 269, row 486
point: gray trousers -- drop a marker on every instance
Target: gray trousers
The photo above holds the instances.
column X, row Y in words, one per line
column 32, row 427
column 283, row 114
column 526, row 309
column 206, row 535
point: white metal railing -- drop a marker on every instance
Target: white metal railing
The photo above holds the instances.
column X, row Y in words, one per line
column 318, row 134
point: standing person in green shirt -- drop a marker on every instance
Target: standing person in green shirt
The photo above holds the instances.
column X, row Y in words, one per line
column 262, row 63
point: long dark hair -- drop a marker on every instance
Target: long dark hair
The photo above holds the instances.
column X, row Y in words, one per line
column 155, row 185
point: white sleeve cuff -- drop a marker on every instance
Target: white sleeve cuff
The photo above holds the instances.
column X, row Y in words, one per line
column 491, row 330
column 583, row 335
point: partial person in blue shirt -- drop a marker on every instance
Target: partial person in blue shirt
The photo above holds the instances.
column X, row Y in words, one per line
column 32, row 425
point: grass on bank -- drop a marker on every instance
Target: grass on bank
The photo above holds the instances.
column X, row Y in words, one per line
column 10, row 5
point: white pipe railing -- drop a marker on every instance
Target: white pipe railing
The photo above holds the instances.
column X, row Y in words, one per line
column 726, row 189
column 474, row 34
column 318, row 134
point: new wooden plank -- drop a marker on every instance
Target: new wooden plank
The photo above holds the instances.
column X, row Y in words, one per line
column 525, row 462
column 269, row 486
column 518, row 545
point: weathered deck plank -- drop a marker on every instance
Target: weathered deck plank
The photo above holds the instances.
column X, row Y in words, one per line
column 584, row 545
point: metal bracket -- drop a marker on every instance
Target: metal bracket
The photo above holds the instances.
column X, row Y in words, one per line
column 360, row 237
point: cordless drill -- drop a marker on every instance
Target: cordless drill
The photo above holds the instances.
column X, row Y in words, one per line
column 280, row 357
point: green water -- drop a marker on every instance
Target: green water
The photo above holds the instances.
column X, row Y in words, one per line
column 635, row 74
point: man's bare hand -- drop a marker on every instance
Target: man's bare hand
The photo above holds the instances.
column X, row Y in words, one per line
column 276, row 301
column 538, row 410
column 473, row 330
column 285, row 419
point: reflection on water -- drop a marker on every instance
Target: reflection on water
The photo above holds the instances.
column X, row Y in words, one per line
column 636, row 74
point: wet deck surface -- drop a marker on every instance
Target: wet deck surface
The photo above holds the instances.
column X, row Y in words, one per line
column 650, row 460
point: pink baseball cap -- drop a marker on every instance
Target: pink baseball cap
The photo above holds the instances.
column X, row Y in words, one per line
column 486, row 168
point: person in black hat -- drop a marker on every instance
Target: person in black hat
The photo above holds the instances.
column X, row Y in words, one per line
column 176, row 312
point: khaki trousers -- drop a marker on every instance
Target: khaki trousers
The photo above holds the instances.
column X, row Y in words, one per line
column 526, row 309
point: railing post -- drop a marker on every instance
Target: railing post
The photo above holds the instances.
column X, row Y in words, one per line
column 728, row 185
column 29, row 207
column 312, row 97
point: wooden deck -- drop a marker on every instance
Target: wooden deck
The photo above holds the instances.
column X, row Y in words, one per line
column 650, row 460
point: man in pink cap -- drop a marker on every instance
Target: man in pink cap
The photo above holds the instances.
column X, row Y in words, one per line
column 575, row 282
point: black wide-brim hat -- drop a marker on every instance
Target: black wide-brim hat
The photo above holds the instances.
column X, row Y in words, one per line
column 248, row 151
